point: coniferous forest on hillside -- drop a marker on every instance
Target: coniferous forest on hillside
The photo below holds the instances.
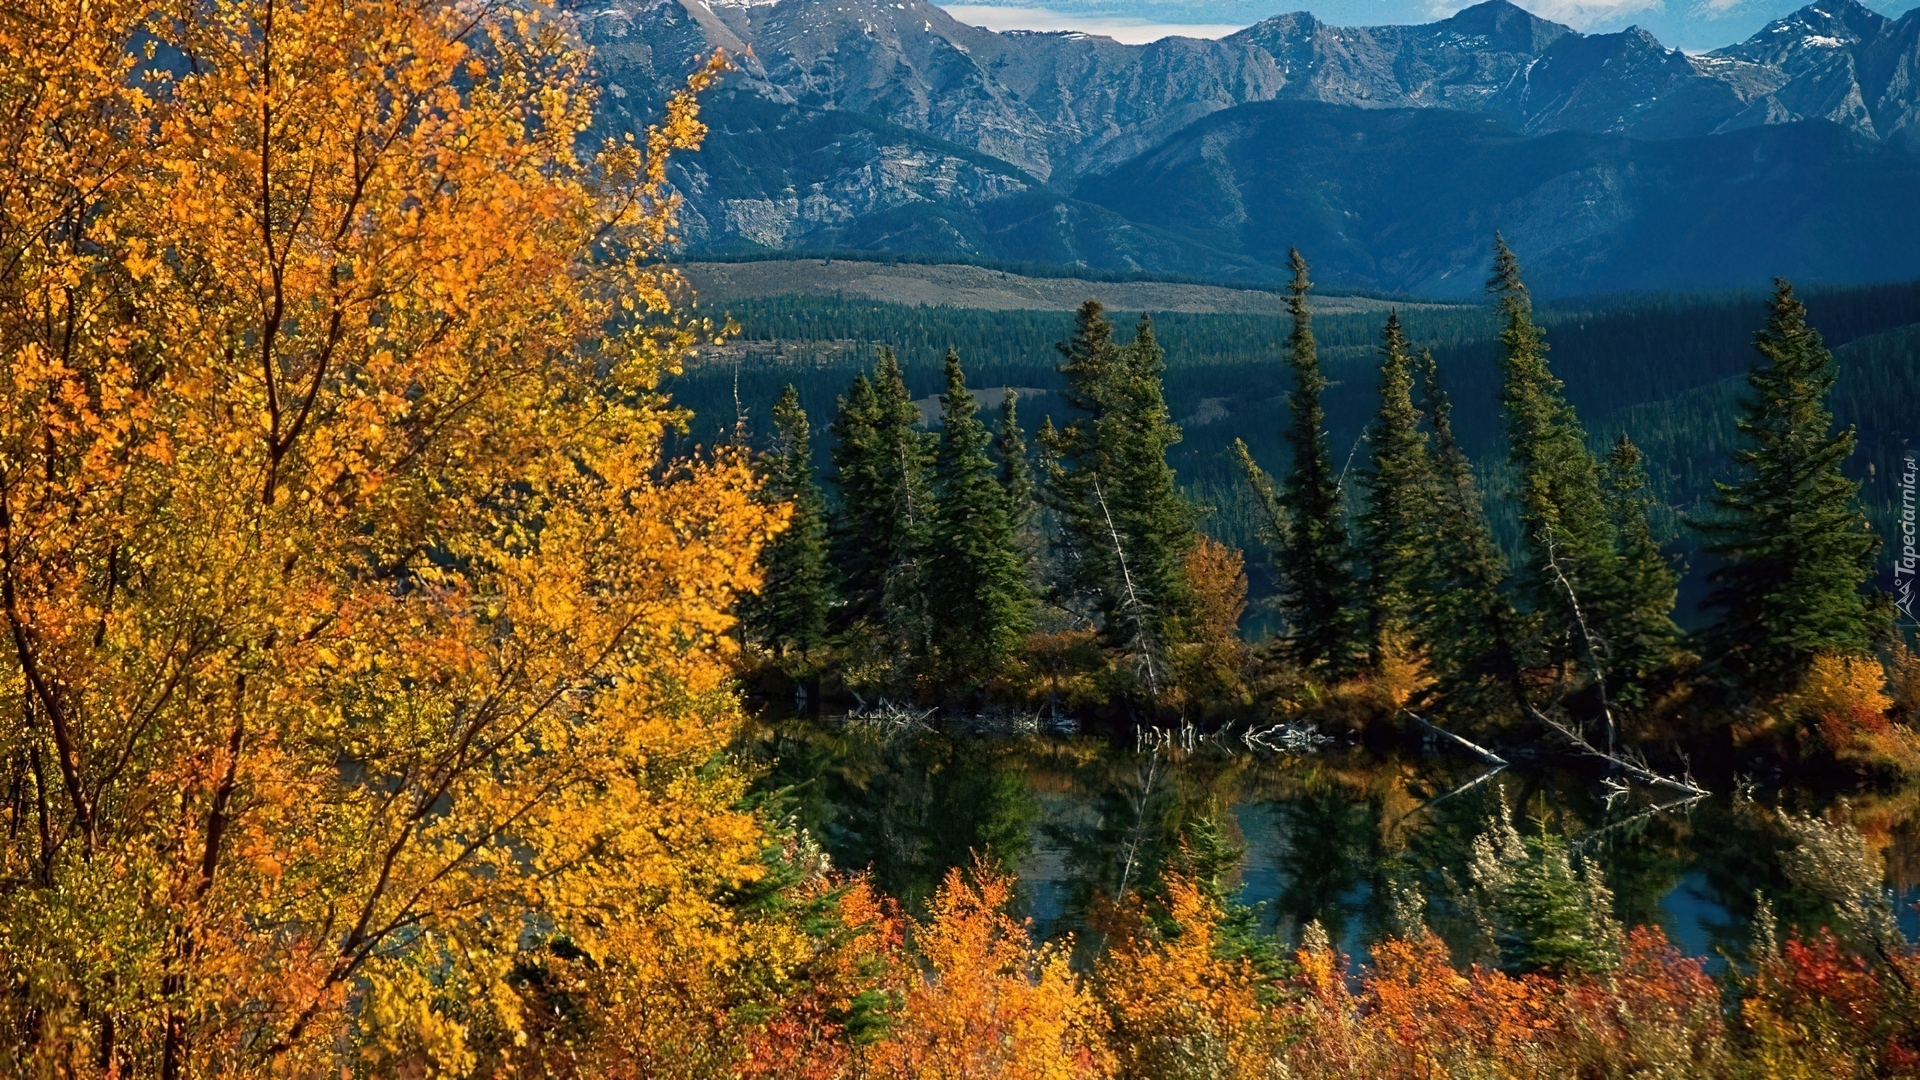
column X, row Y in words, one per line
column 438, row 645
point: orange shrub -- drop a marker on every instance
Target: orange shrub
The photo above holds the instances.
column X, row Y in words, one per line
column 1175, row 1008
column 987, row 1002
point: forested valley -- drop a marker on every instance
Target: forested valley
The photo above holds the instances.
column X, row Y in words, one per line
column 429, row 653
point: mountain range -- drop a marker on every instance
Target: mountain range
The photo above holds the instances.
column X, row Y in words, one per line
column 1390, row 153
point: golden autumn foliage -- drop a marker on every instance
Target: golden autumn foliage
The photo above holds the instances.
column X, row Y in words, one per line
column 359, row 645
column 1844, row 700
column 1178, row 1009
column 1180, row 1005
column 988, row 1003
column 1210, row 660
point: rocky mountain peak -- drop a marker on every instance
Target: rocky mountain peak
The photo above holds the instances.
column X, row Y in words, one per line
column 1822, row 26
column 1506, row 26
column 1833, row 60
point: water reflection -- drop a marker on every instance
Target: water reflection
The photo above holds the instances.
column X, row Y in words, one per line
column 1327, row 837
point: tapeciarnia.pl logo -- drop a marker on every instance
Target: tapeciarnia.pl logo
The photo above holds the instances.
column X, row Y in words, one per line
column 1904, row 564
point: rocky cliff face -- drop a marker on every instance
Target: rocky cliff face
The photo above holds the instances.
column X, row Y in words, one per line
column 1102, row 102
column 783, row 174
column 1625, row 83
column 1457, row 63
column 1838, row 61
column 887, row 123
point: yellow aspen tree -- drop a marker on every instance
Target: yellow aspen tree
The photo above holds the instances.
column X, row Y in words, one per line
column 358, row 643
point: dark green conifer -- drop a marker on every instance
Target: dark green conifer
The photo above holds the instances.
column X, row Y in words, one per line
column 860, row 479
column 1534, row 910
column 1148, row 504
column 1556, row 919
column 881, row 462
column 1128, row 529
column 789, row 615
column 1059, row 569
column 1317, row 585
column 1016, row 481
column 1794, row 548
column 1465, row 618
column 1570, row 568
column 1395, row 523
column 977, row 575
column 1644, row 639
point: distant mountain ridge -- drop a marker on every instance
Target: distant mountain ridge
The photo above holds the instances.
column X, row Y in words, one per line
column 1418, row 196
column 889, row 125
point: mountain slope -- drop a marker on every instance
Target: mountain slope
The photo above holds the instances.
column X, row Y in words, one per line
column 1072, row 103
column 1408, row 200
column 1817, row 54
column 792, row 177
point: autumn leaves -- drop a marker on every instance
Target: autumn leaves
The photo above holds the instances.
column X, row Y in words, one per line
column 359, row 648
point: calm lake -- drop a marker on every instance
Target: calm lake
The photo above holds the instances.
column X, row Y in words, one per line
column 1307, row 835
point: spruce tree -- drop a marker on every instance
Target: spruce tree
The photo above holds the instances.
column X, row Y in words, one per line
column 881, row 464
column 1316, row 583
column 1148, row 503
column 860, row 479
column 1060, row 572
column 1091, row 362
column 1394, row 525
column 1464, row 617
column 1794, row 548
column 788, row 617
column 977, row 575
column 1570, row 567
column 1128, row 529
column 1016, row 481
column 1645, row 637
column 1016, row 473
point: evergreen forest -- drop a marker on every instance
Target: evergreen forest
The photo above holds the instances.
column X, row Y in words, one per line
column 1668, row 367
column 1345, row 509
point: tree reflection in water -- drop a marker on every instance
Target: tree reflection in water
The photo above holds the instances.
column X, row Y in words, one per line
column 1327, row 838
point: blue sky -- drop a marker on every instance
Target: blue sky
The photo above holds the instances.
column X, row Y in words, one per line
column 1695, row 25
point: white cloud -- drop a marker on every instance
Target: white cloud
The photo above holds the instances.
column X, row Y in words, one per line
column 1117, row 27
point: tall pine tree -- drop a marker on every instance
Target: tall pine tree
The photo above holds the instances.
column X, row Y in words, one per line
column 1465, row 618
column 788, row 617
column 977, row 575
column 1148, row 503
column 1570, row 566
column 1794, row 548
column 881, row 470
column 1394, row 524
column 1016, row 481
column 1128, row 529
column 1644, row 637
column 1317, row 585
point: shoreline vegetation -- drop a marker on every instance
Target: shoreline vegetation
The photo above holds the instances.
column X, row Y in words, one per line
column 376, row 678
column 1084, row 586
